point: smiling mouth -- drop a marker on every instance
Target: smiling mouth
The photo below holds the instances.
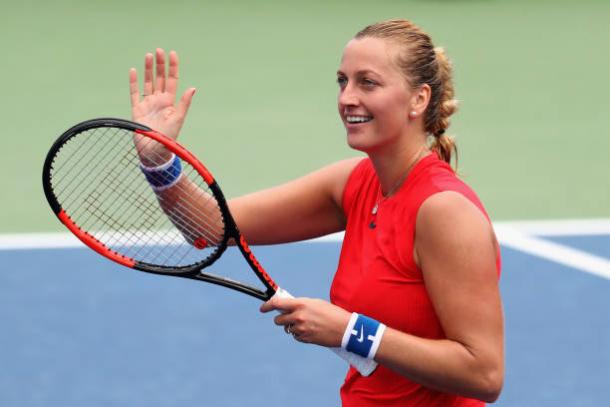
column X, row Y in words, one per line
column 358, row 119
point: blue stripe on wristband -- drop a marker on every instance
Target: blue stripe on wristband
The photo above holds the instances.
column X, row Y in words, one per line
column 363, row 336
column 165, row 175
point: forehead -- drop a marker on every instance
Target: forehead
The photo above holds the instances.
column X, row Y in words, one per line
column 370, row 54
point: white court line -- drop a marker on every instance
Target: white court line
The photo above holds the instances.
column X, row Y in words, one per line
column 566, row 227
column 512, row 237
column 29, row 241
column 524, row 236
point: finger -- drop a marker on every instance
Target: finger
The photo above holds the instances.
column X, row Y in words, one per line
column 283, row 305
column 160, row 77
column 172, row 80
column 134, row 91
column 297, row 332
column 285, row 320
column 185, row 102
column 299, row 337
column 268, row 306
column 148, row 75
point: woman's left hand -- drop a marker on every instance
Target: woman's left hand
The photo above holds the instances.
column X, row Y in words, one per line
column 310, row 320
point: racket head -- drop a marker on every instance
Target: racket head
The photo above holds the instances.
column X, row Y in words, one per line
column 93, row 183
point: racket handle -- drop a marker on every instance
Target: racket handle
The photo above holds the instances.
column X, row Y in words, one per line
column 363, row 365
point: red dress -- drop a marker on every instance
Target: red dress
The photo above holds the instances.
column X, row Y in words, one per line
column 377, row 275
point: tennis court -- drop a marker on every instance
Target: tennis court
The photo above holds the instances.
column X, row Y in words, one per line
column 80, row 330
column 533, row 137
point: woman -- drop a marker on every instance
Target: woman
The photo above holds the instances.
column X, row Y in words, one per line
column 419, row 266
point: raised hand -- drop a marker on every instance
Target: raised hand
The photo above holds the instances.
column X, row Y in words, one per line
column 156, row 107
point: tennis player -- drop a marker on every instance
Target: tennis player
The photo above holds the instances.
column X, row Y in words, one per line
column 416, row 288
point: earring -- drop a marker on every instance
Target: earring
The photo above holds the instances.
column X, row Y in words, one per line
column 413, row 114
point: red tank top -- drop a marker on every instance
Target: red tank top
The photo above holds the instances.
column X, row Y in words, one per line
column 377, row 275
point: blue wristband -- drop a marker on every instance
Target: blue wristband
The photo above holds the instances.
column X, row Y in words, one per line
column 363, row 336
column 164, row 176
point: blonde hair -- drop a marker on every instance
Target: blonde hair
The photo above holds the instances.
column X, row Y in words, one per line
column 422, row 63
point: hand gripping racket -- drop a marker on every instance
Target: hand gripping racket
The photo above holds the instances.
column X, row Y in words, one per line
column 95, row 181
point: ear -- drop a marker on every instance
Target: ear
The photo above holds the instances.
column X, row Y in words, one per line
column 420, row 99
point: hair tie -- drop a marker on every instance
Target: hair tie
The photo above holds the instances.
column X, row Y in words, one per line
column 440, row 133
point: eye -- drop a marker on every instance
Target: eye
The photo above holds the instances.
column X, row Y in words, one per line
column 342, row 81
column 368, row 83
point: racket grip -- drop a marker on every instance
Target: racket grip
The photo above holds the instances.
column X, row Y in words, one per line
column 363, row 365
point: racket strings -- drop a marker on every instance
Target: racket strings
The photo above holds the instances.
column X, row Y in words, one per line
column 95, row 207
column 98, row 181
column 128, row 157
column 134, row 198
column 150, row 238
column 86, row 153
column 212, row 238
column 80, row 178
column 186, row 217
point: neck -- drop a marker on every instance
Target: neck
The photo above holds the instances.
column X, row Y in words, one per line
column 394, row 165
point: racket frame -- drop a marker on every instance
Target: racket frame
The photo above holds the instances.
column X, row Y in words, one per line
column 193, row 271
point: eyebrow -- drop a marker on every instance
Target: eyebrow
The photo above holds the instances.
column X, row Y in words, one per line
column 360, row 73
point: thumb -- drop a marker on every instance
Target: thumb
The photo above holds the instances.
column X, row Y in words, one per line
column 185, row 102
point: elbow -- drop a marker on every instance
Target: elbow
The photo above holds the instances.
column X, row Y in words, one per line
column 490, row 385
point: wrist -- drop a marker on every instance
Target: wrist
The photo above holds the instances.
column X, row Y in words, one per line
column 163, row 176
column 362, row 336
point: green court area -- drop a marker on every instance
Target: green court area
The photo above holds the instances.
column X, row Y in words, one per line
column 533, row 129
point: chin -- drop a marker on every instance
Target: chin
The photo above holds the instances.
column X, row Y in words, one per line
column 355, row 141
column 361, row 141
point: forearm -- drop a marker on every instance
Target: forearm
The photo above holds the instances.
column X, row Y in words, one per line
column 193, row 211
column 304, row 208
column 278, row 215
column 442, row 364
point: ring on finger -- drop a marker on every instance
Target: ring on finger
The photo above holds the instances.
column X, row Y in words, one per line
column 288, row 330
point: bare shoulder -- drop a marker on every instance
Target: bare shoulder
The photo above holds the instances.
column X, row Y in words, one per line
column 335, row 176
column 451, row 211
column 450, row 222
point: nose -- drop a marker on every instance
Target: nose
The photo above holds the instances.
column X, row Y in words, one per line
column 347, row 97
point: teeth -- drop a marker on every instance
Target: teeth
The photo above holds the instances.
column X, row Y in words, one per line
column 358, row 119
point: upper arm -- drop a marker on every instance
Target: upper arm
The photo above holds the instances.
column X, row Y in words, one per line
column 456, row 249
column 304, row 208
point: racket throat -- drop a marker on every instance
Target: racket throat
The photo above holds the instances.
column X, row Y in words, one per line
column 260, row 272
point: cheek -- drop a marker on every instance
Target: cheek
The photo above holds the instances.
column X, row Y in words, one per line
column 392, row 113
column 399, row 104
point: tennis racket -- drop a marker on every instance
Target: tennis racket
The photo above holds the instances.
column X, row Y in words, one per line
column 97, row 180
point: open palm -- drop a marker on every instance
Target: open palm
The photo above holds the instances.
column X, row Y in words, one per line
column 157, row 107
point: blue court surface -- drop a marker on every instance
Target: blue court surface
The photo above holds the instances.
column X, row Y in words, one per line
column 78, row 330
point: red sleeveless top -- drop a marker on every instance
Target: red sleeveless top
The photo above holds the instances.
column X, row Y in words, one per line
column 377, row 275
